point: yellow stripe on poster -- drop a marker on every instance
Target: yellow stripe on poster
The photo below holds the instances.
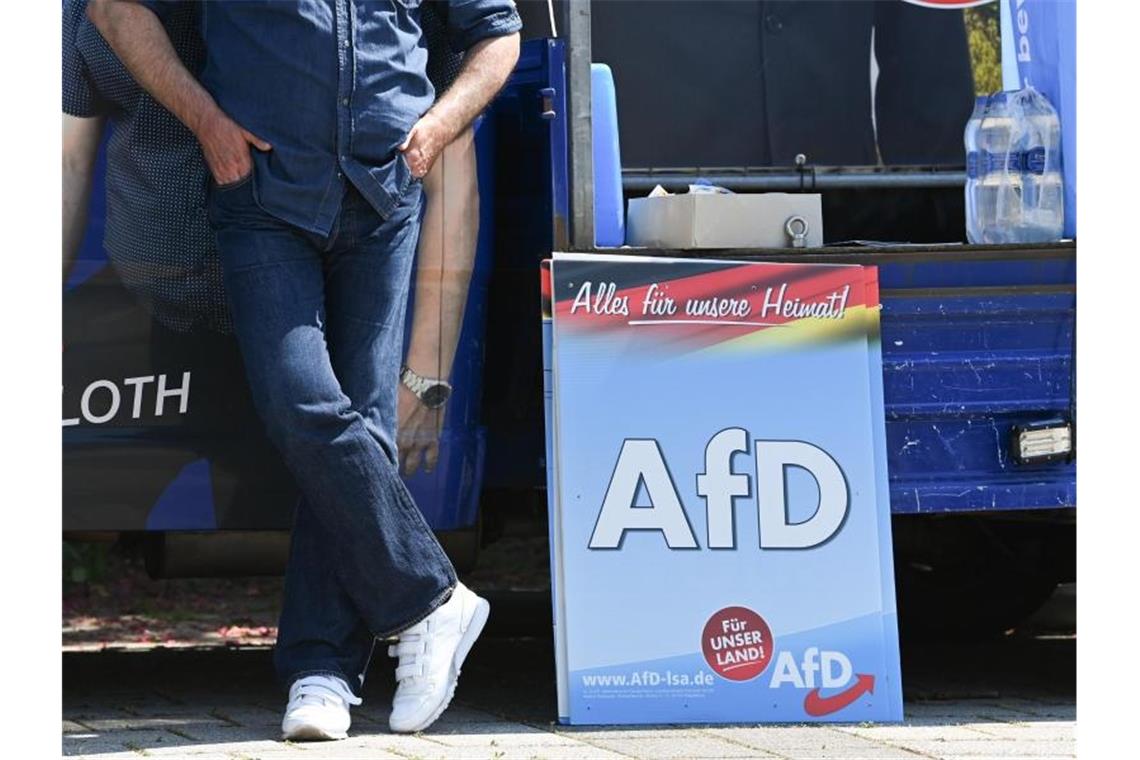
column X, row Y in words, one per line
column 808, row 330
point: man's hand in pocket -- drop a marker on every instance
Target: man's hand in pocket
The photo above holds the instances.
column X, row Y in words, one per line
column 424, row 143
column 225, row 146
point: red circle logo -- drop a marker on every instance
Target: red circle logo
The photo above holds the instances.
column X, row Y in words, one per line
column 737, row 643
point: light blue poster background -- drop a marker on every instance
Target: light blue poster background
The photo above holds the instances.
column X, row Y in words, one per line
column 642, row 608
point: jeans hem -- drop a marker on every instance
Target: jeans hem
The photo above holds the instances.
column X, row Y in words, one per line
column 436, row 603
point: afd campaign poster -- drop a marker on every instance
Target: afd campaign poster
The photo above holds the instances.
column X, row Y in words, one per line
column 720, row 523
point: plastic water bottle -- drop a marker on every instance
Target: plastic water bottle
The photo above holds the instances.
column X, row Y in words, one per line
column 998, row 206
column 1039, row 143
column 1019, row 193
column 973, row 168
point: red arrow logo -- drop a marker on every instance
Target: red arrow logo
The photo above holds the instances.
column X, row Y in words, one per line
column 816, row 705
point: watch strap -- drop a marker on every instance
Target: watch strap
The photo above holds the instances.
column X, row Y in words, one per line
column 418, row 384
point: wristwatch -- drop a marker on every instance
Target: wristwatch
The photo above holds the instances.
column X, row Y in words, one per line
column 432, row 392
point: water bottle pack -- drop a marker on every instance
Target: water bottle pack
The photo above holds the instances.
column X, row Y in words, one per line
column 1014, row 189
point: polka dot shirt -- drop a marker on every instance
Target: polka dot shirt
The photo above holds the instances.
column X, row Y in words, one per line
column 156, row 234
column 444, row 62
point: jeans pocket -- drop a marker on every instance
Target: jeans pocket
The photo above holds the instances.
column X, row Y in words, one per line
column 224, row 200
column 224, row 186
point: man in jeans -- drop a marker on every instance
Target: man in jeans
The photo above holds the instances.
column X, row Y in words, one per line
column 316, row 120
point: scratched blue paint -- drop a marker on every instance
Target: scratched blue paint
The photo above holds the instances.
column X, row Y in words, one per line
column 959, row 372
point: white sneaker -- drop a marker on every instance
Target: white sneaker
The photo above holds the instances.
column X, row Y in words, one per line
column 318, row 709
column 431, row 654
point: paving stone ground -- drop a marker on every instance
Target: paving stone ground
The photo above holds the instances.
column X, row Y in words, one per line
column 1014, row 698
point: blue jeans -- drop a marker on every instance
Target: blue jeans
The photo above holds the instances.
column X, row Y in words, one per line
column 320, row 323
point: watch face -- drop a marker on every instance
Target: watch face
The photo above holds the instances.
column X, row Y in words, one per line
column 436, row 396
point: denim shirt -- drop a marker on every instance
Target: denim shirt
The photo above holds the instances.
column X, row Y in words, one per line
column 334, row 86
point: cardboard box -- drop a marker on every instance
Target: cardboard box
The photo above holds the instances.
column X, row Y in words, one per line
column 718, row 220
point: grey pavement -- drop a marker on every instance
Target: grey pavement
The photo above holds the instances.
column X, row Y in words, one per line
column 1013, row 698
